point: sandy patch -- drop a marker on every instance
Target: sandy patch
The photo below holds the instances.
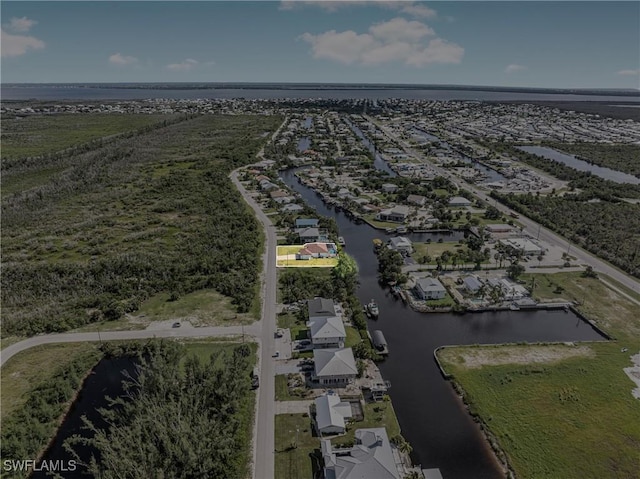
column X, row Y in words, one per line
column 634, row 374
column 491, row 356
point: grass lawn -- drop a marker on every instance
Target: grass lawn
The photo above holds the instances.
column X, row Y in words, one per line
column 436, row 249
column 575, row 418
column 293, row 462
column 446, row 301
column 288, row 320
column 353, row 337
column 371, row 219
column 620, row 286
column 571, row 417
column 310, row 263
column 204, row 307
column 204, row 349
column 31, row 367
column 377, row 414
column 283, row 393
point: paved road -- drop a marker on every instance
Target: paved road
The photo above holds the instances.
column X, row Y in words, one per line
column 169, row 332
column 264, row 432
column 533, row 229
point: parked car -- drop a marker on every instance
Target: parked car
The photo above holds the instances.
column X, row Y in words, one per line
column 276, row 354
column 177, row 325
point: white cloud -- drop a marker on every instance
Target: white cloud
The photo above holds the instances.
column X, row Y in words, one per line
column 629, row 72
column 121, row 60
column 514, row 67
column 399, row 29
column 20, row 25
column 185, row 66
column 16, row 45
column 415, row 9
column 397, row 40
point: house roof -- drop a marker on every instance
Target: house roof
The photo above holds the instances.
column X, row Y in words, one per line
column 334, row 362
column 330, row 411
column 430, row 284
column 321, row 307
column 459, row 200
column 327, row 327
column 302, row 222
column 308, row 232
column 416, row 199
column 371, row 457
column 472, row 283
column 316, row 247
column 400, row 241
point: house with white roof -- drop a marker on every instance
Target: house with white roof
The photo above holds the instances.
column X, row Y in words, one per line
column 327, row 332
column 371, row 457
column 334, row 366
column 401, row 244
column 331, row 413
column 321, row 308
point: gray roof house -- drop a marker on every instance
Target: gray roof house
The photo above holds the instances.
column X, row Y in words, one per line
column 311, row 235
column 459, row 201
column 472, row 284
column 396, row 214
column 370, row 458
column 401, row 244
column 320, row 308
column 389, row 187
column 331, row 413
column 430, row 288
column 327, row 332
column 334, row 366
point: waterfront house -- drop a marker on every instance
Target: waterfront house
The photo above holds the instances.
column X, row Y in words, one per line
column 331, row 413
column 317, row 250
column 334, row 367
column 307, row 223
column 429, row 288
column 311, row 235
column 320, row 308
column 401, row 244
column 327, row 332
column 396, row 214
column 472, row 284
column 266, row 185
column 281, row 197
column 291, row 208
column 371, row 457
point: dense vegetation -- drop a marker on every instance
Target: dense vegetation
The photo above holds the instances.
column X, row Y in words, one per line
column 26, row 432
column 625, row 158
column 188, row 422
column 149, row 213
column 610, row 230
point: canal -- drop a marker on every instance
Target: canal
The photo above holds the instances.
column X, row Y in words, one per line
column 431, row 416
column 104, row 380
column 581, row 165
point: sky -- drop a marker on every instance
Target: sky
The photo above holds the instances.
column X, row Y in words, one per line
column 576, row 44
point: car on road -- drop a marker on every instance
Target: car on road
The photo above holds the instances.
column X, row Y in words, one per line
column 279, row 333
column 276, row 354
column 176, row 325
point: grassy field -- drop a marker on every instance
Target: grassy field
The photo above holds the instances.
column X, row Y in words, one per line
column 202, row 308
column 310, row 263
column 283, row 393
column 295, row 461
column 31, row 367
column 153, row 213
column 39, row 134
column 560, row 412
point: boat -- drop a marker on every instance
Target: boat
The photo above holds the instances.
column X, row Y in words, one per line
column 341, row 241
column 373, row 310
column 390, row 230
column 401, row 229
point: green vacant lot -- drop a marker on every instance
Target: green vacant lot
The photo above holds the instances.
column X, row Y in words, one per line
column 295, row 461
column 561, row 416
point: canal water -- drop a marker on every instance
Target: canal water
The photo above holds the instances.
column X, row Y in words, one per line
column 432, row 418
column 378, row 161
column 581, row 165
column 105, row 379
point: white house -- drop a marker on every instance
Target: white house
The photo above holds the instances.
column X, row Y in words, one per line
column 389, row 187
column 401, row 244
column 331, row 413
column 334, row 366
column 327, row 332
column 371, row 457
column 524, row 245
column 429, row 288
column 459, row 201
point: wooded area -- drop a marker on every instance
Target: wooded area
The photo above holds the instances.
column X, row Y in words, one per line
column 625, row 158
column 178, row 422
column 148, row 213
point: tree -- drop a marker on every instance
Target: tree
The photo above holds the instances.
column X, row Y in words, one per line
column 515, row 270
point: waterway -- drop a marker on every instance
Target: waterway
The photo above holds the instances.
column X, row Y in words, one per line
column 431, row 416
column 580, row 165
column 378, row 161
column 104, row 379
